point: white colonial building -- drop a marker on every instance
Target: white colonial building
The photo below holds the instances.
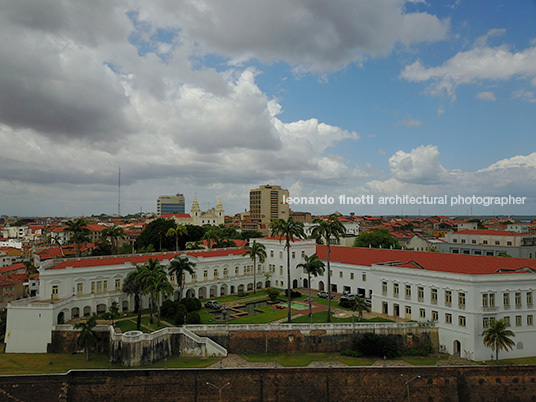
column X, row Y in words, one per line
column 461, row 294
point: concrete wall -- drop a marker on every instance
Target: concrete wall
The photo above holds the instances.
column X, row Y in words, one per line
column 503, row 383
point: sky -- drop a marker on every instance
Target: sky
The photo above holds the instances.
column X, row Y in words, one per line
column 384, row 98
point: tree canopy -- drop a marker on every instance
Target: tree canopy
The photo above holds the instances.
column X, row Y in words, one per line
column 379, row 238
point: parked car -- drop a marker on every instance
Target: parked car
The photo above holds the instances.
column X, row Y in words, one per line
column 368, row 302
column 348, row 297
column 213, row 304
column 325, row 295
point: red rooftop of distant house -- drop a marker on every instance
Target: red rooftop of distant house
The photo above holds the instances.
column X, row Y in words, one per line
column 141, row 259
column 169, row 216
column 443, row 262
column 6, row 280
column 280, row 238
column 14, row 267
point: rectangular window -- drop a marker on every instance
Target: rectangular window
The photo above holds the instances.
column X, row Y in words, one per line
column 529, row 320
column 518, row 321
column 280, row 270
column 420, row 293
column 492, row 299
column 303, row 253
column 485, row 300
column 422, row 313
column 293, row 254
column 216, row 274
column 433, row 296
column 384, row 288
column 118, row 284
column 485, row 322
column 280, row 254
column 104, row 286
column 55, row 291
column 205, row 275
column 80, row 288
column 236, row 271
column 272, row 253
column 408, row 311
column 364, row 277
column 461, row 300
column 448, row 297
column 448, row 318
column 351, row 276
column 396, row 291
column 529, row 298
column 461, row 321
column 435, row 315
column 518, row 299
column 507, row 321
column 408, row 291
column 340, row 274
column 92, row 287
column 99, row 286
column 506, row 299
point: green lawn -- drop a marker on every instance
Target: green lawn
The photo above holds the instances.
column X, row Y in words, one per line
column 269, row 315
column 304, row 359
column 130, row 325
column 42, row 363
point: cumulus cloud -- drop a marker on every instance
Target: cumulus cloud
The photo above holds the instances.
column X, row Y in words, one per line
column 473, row 66
column 420, row 166
column 409, row 122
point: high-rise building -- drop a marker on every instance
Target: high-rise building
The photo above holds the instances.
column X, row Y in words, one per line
column 266, row 204
column 170, row 204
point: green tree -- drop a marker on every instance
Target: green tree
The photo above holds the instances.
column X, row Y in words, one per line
column 178, row 267
column 272, row 293
column 212, row 237
column 88, row 336
column 155, row 234
column 114, row 233
column 327, row 229
column 160, row 285
column 359, row 306
column 147, row 276
column 498, row 336
column 112, row 313
column 177, row 232
column 133, row 286
column 288, row 230
column 79, row 233
column 257, row 252
column 312, row 266
column 379, row 238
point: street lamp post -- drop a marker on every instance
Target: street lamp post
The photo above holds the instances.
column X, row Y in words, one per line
column 407, row 385
column 220, row 389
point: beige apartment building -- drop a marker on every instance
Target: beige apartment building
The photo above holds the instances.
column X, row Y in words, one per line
column 266, row 204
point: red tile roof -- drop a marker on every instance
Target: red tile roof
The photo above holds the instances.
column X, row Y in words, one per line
column 443, row 262
column 280, row 238
column 168, row 216
column 13, row 267
column 6, row 280
column 141, row 259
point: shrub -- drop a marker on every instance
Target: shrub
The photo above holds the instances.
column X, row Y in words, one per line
column 371, row 344
column 415, row 352
column 352, row 353
column 242, row 294
column 347, row 303
column 191, row 303
column 193, row 318
column 180, row 314
column 168, row 309
column 272, row 293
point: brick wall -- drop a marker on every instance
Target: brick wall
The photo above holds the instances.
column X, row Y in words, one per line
column 291, row 384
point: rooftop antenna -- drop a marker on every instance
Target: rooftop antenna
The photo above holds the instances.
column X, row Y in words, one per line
column 119, row 195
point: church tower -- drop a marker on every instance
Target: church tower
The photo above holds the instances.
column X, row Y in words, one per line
column 220, row 213
column 195, row 213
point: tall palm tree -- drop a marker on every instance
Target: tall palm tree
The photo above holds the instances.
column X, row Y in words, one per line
column 177, row 232
column 160, row 285
column 80, row 233
column 325, row 229
column 178, row 266
column 133, row 286
column 114, row 233
column 147, row 276
column 88, row 336
column 257, row 251
column 312, row 266
column 289, row 230
column 497, row 336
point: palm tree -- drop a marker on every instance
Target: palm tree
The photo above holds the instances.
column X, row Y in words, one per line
column 80, row 233
column 133, row 286
column 312, row 266
column 88, row 336
column 160, row 285
column 289, row 230
column 211, row 236
column 177, row 232
column 147, row 276
column 178, row 267
column 497, row 336
column 326, row 229
column 257, row 251
column 359, row 306
column 114, row 233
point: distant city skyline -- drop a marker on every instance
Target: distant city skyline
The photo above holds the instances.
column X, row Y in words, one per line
column 384, row 99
